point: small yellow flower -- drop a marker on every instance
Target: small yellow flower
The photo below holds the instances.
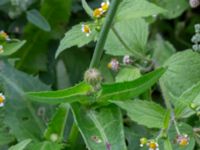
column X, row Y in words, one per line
column 2, row 100
column 4, row 36
column 97, row 13
column 86, row 29
column 153, row 145
column 105, row 6
column 183, row 140
column 1, row 49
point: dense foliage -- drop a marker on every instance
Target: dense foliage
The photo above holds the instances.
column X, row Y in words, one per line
column 99, row 75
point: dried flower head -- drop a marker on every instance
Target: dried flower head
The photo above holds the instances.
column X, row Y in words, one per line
column 93, row 77
column 114, row 65
column 183, row 140
column 86, row 29
column 2, row 100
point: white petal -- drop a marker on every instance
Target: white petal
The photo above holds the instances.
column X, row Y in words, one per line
column 1, row 104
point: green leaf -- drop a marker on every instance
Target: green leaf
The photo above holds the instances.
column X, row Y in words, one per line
column 182, row 73
column 128, row 74
column 100, row 128
column 20, row 146
column 12, row 47
column 57, row 124
column 33, row 55
column 46, row 145
column 182, row 105
column 75, row 37
column 38, row 20
column 15, row 84
column 136, row 9
column 167, row 145
column 69, row 95
column 146, row 113
column 130, row 89
column 128, row 38
column 174, row 8
column 162, row 51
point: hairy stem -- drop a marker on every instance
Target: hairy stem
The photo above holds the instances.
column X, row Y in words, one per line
column 104, row 33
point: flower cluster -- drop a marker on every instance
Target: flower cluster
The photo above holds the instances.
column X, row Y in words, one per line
column 98, row 13
column 151, row 144
column 115, row 65
column 196, row 38
column 2, row 100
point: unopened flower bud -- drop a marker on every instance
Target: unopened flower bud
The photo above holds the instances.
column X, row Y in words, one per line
column 93, row 77
column 127, row 60
column 143, row 141
column 194, row 3
column 193, row 106
column 113, row 65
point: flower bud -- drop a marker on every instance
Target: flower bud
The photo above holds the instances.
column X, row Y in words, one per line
column 127, row 60
column 194, row 3
column 93, row 77
column 143, row 141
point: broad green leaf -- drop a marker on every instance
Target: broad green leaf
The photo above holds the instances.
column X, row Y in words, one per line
column 174, row 8
column 38, row 20
column 101, row 128
column 5, row 136
column 146, row 113
column 162, row 51
column 184, row 129
column 75, row 37
column 128, row 38
column 46, row 145
column 23, row 114
column 128, row 74
column 182, row 105
column 69, row 95
column 12, row 47
column 21, row 146
column 182, row 73
column 57, row 124
column 129, row 89
column 136, row 9
column 33, row 55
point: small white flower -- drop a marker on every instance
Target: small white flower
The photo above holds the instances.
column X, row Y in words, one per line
column 2, row 100
column 86, row 29
column 4, row 35
column 105, row 6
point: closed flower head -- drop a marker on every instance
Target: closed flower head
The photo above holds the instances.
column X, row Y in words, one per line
column 143, row 141
column 113, row 65
column 4, row 36
column 86, row 29
column 2, row 100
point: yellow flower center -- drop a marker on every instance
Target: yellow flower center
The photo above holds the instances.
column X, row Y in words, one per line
column 152, row 145
column 1, row 99
column 105, row 6
column 86, row 29
column 97, row 12
column 183, row 142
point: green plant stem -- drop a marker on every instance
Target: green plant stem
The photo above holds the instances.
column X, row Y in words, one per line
column 104, row 33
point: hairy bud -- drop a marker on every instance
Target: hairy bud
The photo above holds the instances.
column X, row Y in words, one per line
column 93, row 77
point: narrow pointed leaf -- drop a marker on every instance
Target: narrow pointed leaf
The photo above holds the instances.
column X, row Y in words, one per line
column 21, row 146
column 69, row 95
column 130, row 89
